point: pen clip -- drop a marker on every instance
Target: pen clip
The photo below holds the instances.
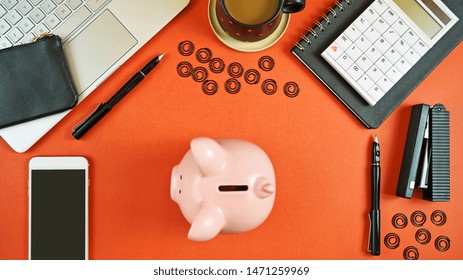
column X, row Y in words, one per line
column 86, row 118
column 369, row 234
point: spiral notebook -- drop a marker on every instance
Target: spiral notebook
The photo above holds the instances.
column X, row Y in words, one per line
column 338, row 18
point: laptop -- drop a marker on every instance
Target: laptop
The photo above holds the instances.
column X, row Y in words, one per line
column 98, row 37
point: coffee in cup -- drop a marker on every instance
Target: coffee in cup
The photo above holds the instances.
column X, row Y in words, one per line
column 253, row 20
column 251, row 12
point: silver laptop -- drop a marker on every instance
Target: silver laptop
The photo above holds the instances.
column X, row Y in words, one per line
column 99, row 36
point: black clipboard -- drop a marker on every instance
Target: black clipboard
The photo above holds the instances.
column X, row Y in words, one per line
column 309, row 48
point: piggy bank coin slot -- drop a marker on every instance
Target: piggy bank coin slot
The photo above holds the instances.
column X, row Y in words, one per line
column 233, row 188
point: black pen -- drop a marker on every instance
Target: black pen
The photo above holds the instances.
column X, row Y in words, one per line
column 80, row 129
column 374, row 239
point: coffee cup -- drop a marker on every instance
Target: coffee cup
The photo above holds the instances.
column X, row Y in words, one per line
column 253, row 20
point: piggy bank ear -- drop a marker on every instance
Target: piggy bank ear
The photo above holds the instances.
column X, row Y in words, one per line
column 207, row 224
column 209, row 155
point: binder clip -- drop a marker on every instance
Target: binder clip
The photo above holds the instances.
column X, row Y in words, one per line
column 426, row 158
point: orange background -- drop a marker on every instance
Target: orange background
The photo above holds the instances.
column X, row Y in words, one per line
column 320, row 151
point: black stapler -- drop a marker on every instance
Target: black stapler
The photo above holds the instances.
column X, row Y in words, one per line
column 426, row 158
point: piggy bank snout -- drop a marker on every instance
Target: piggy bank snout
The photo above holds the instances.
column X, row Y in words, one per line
column 174, row 181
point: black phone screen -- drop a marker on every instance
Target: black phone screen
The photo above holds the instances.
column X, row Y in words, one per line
column 58, row 215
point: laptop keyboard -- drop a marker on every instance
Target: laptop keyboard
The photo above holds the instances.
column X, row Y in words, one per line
column 22, row 20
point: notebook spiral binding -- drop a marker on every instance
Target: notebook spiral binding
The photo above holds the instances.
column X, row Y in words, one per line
column 312, row 32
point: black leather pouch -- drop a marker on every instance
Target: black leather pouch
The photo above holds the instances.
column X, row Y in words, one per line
column 34, row 81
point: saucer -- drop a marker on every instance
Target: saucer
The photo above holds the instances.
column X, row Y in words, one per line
column 245, row 46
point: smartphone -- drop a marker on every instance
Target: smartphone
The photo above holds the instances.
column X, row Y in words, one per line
column 58, row 208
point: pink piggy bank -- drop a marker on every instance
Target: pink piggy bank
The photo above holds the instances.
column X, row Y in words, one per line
column 226, row 186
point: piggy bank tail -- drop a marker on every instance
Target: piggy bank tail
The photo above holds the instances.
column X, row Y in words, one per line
column 207, row 224
column 264, row 188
